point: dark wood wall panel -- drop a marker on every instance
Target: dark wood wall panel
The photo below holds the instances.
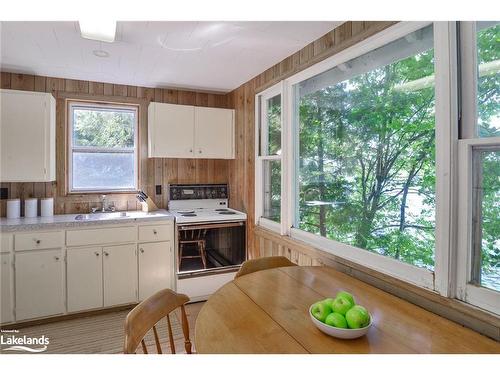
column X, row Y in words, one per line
column 155, row 171
column 242, row 169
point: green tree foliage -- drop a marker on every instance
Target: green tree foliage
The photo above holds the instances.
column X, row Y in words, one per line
column 103, row 128
column 366, row 174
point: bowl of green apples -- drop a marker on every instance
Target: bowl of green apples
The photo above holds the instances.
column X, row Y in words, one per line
column 341, row 317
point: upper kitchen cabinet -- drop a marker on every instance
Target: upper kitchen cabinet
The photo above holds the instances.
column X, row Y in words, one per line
column 180, row 131
column 28, row 136
column 170, row 130
column 214, row 133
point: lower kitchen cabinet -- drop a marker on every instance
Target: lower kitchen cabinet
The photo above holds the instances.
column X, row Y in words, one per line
column 6, row 289
column 84, row 278
column 120, row 274
column 155, row 268
column 39, row 283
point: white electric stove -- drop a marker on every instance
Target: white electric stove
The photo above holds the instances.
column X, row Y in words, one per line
column 210, row 238
column 204, row 210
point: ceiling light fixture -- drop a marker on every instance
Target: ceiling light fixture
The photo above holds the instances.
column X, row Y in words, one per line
column 102, row 30
column 100, row 53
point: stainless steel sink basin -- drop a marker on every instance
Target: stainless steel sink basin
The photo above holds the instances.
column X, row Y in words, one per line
column 102, row 216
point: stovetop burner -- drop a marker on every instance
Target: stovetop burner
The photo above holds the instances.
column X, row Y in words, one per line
column 189, row 214
column 221, row 209
column 186, row 212
column 227, row 213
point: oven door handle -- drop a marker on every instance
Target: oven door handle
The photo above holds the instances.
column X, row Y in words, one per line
column 212, row 226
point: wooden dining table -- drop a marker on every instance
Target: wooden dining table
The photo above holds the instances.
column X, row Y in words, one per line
column 268, row 312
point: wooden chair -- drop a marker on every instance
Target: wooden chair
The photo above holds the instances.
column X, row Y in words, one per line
column 196, row 237
column 149, row 312
column 259, row 264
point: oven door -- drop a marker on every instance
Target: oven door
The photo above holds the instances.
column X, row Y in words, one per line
column 205, row 248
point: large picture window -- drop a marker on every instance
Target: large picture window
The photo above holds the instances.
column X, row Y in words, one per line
column 363, row 162
column 366, row 146
column 102, row 147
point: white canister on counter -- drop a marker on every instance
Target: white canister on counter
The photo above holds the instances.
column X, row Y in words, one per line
column 31, row 207
column 47, row 207
column 13, row 208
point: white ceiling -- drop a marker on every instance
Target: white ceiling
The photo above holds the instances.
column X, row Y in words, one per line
column 213, row 56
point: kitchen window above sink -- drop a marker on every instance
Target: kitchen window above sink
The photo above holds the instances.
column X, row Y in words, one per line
column 102, row 147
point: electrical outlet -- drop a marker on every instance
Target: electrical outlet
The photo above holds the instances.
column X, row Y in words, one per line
column 4, row 193
column 158, row 189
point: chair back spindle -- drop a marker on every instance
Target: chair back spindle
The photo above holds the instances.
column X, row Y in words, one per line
column 147, row 314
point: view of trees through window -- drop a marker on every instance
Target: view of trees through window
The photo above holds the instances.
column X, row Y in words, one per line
column 488, row 107
column 103, row 148
column 271, row 144
column 367, row 155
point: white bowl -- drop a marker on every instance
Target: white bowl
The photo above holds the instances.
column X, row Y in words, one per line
column 340, row 333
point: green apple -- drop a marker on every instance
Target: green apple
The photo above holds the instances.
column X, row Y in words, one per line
column 346, row 295
column 336, row 320
column 357, row 317
column 329, row 301
column 341, row 305
column 321, row 310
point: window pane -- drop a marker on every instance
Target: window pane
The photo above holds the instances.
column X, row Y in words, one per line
column 487, row 222
column 271, row 134
column 272, row 190
column 488, row 59
column 103, row 171
column 104, row 128
column 366, row 168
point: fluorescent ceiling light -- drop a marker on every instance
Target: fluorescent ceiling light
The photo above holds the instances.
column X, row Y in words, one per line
column 102, row 30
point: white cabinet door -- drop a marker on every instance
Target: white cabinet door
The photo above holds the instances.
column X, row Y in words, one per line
column 6, row 288
column 155, row 268
column 120, row 274
column 39, row 284
column 84, row 278
column 170, row 130
column 28, row 136
column 214, row 133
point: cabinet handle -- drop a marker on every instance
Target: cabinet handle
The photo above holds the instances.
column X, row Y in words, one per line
column 96, row 254
column 56, row 258
column 154, row 231
column 106, row 253
column 199, row 151
column 37, row 241
column 141, row 250
column 191, row 150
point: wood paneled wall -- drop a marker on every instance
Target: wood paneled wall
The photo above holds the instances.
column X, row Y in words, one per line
column 242, row 169
column 155, row 171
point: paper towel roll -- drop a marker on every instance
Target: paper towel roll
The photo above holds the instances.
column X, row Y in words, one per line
column 47, row 207
column 13, row 208
column 31, row 207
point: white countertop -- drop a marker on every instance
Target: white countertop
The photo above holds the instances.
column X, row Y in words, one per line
column 69, row 220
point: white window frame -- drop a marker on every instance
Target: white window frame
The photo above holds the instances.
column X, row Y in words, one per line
column 71, row 148
column 261, row 129
column 476, row 295
column 446, row 136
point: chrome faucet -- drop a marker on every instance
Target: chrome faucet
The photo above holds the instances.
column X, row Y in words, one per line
column 105, row 207
column 104, row 203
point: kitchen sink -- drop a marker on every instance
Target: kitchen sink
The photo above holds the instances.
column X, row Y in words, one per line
column 113, row 215
column 102, row 216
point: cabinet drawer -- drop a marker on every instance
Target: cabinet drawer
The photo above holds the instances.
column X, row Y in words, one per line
column 35, row 241
column 100, row 236
column 158, row 232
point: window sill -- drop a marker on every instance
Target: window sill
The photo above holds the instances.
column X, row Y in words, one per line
column 100, row 192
